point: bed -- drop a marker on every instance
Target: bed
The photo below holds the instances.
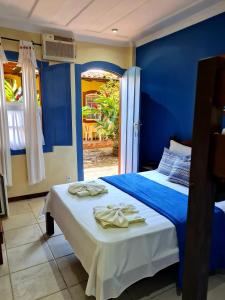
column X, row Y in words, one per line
column 116, row 258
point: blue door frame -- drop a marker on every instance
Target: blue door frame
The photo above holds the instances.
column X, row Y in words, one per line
column 80, row 68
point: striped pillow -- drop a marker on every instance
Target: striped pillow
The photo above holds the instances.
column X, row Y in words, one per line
column 180, row 172
column 167, row 161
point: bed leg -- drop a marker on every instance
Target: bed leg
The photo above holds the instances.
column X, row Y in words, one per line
column 49, row 224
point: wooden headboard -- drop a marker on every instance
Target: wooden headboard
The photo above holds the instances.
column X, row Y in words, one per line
column 183, row 142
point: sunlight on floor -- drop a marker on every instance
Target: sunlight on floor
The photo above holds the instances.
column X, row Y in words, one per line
column 94, row 173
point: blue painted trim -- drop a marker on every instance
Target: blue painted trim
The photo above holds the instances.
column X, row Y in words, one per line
column 80, row 171
column 18, row 152
column 103, row 65
column 79, row 68
column 13, row 56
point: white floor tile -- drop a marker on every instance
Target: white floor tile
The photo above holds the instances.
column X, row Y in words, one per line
column 37, row 282
column 216, row 291
column 4, row 269
column 77, row 292
column 59, row 246
column 93, row 173
column 168, row 295
column 72, row 270
column 56, row 227
column 18, row 221
column 28, row 255
column 5, row 288
column 40, row 217
column 216, row 288
column 18, row 207
column 36, row 203
column 24, row 235
column 62, row 295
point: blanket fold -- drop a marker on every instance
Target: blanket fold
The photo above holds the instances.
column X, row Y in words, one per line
column 88, row 188
column 117, row 215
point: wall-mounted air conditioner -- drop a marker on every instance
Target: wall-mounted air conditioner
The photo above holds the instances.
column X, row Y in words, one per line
column 58, row 48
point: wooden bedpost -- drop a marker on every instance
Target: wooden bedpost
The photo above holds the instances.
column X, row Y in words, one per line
column 204, row 181
column 49, row 224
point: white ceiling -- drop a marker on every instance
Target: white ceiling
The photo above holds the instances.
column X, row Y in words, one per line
column 93, row 20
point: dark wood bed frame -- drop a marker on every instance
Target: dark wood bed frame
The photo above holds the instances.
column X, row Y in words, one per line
column 207, row 177
column 1, row 242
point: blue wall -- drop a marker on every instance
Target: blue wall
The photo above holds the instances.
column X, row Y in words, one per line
column 168, row 79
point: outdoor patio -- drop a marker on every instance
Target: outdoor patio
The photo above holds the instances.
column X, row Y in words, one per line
column 99, row 162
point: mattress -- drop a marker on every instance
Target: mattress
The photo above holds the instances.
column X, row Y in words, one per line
column 116, row 258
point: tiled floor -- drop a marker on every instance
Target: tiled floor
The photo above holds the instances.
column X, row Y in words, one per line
column 37, row 267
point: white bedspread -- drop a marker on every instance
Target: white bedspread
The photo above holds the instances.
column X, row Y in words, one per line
column 115, row 258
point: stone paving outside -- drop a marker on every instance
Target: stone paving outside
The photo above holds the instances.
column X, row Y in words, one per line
column 99, row 162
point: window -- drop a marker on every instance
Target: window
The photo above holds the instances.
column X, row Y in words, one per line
column 15, row 108
column 90, row 101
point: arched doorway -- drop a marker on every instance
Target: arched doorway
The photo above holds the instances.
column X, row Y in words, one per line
column 91, row 68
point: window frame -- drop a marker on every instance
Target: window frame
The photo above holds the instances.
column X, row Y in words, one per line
column 13, row 56
column 87, row 120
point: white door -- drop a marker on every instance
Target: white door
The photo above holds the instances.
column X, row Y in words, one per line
column 130, row 120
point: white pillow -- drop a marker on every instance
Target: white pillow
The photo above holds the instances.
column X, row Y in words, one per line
column 179, row 148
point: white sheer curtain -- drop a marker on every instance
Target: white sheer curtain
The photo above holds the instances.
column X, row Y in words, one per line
column 5, row 156
column 32, row 122
column 130, row 124
column 15, row 112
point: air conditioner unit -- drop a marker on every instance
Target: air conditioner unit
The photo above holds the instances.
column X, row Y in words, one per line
column 58, row 48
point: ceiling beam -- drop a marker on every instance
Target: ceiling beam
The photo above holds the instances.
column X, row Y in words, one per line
column 32, row 9
column 80, row 12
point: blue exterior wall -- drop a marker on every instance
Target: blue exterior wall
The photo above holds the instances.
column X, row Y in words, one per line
column 168, row 80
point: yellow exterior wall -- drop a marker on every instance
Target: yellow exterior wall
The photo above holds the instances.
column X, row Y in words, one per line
column 121, row 56
column 62, row 161
column 92, row 85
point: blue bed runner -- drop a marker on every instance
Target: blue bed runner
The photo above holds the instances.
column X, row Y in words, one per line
column 174, row 206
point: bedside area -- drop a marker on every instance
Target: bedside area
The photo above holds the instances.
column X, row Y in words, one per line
column 152, row 165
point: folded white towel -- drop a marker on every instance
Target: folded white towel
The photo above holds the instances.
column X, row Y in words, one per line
column 117, row 215
column 83, row 189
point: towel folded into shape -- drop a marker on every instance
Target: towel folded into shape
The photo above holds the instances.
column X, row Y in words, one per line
column 89, row 188
column 117, row 215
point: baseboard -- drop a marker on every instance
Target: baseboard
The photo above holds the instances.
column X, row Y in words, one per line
column 25, row 197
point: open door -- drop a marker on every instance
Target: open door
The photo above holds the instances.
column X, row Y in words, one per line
column 130, row 121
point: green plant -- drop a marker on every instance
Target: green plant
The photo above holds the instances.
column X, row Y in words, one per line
column 12, row 92
column 107, row 105
column 9, row 91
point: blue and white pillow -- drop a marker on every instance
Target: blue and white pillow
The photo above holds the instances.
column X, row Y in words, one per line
column 180, row 172
column 167, row 161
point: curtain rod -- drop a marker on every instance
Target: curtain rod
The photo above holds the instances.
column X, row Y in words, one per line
column 15, row 40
